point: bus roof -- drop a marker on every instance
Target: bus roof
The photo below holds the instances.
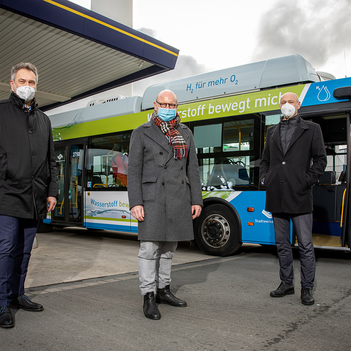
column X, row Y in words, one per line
column 78, row 52
column 280, row 71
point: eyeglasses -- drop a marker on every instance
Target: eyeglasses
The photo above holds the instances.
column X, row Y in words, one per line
column 164, row 105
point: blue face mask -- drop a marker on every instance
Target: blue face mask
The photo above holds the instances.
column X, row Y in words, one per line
column 166, row 114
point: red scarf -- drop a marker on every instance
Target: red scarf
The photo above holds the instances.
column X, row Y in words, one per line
column 174, row 137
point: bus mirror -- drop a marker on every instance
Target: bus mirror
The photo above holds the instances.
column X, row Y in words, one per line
column 342, row 93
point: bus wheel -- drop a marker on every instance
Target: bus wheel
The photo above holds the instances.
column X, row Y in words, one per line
column 217, row 231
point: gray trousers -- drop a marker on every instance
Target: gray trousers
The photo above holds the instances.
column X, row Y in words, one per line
column 155, row 264
column 303, row 228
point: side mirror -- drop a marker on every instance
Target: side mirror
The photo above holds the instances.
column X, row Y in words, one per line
column 342, row 93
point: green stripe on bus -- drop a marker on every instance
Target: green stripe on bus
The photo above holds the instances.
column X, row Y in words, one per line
column 236, row 105
column 109, row 219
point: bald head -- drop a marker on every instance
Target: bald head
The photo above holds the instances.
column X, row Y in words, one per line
column 166, row 99
column 167, row 94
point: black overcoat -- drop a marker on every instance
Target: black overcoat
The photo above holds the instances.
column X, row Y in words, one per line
column 289, row 178
column 165, row 186
column 28, row 173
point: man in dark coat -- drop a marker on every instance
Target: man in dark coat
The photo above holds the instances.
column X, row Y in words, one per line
column 164, row 196
column 28, row 186
column 293, row 159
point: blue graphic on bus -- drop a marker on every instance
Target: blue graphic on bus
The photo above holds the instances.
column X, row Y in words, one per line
column 322, row 92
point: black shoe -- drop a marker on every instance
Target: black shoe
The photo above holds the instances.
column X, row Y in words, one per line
column 283, row 289
column 306, row 296
column 150, row 308
column 6, row 319
column 26, row 304
column 165, row 296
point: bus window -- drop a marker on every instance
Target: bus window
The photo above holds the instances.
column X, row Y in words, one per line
column 107, row 162
column 208, row 138
column 336, row 161
column 238, row 135
column 272, row 119
column 224, row 172
column 230, row 136
column 227, row 154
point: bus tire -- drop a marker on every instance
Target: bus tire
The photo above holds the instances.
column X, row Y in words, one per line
column 217, row 231
column 44, row 227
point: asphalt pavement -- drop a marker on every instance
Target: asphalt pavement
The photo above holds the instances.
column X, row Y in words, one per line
column 88, row 284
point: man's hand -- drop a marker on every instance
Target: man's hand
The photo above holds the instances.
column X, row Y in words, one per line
column 196, row 210
column 50, row 203
column 138, row 212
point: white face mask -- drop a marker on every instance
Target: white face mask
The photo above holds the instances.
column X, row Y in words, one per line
column 26, row 92
column 288, row 110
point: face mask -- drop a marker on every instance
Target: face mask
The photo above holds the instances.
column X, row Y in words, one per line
column 26, row 92
column 166, row 114
column 288, row 110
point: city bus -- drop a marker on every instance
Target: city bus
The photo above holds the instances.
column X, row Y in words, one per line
column 229, row 112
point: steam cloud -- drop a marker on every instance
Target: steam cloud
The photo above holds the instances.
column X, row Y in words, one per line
column 315, row 29
column 186, row 66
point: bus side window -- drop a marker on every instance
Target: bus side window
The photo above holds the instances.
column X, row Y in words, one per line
column 223, row 173
column 107, row 162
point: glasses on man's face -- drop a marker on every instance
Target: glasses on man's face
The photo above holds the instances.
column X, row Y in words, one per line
column 164, row 105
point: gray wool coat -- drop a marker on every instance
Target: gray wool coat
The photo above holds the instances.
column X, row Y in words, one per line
column 165, row 186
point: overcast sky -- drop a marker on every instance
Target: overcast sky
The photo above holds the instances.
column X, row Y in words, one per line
column 213, row 35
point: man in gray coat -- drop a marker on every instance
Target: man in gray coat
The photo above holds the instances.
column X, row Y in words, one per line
column 293, row 159
column 164, row 196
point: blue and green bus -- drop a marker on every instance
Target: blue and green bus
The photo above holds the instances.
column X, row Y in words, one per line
column 228, row 112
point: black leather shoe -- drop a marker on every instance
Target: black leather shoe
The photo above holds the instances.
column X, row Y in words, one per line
column 306, row 296
column 165, row 296
column 150, row 308
column 26, row 304
column 6, row 319
column 283, row 289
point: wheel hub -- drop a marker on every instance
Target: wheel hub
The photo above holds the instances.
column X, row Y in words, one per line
column 215, row 231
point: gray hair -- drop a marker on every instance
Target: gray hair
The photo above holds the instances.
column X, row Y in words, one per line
column 25, row 65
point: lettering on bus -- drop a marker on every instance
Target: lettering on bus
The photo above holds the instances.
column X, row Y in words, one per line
column 109, row 204
column 231, row 105
column 211, row 83
column 264, row 102
column 241, row 106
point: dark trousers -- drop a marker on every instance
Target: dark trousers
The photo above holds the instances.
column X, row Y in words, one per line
column 303, row 227
column 16, row 241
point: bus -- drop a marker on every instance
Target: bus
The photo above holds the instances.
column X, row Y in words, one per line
column 229, row 112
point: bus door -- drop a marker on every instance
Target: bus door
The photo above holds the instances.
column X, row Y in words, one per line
column 70, row 166
column 331, row 196
column 346, row 213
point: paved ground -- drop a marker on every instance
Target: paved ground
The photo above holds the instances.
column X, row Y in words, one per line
column 77, row 254
column 229, row 307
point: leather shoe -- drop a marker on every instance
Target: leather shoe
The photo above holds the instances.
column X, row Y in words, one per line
column 26, row 304
column 165, row 296
column 150, row 308
column 6, row 319
column 283, row 289
column 306, row 296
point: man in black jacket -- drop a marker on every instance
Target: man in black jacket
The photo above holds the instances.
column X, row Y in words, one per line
column 28, row 186
column 293, row 159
